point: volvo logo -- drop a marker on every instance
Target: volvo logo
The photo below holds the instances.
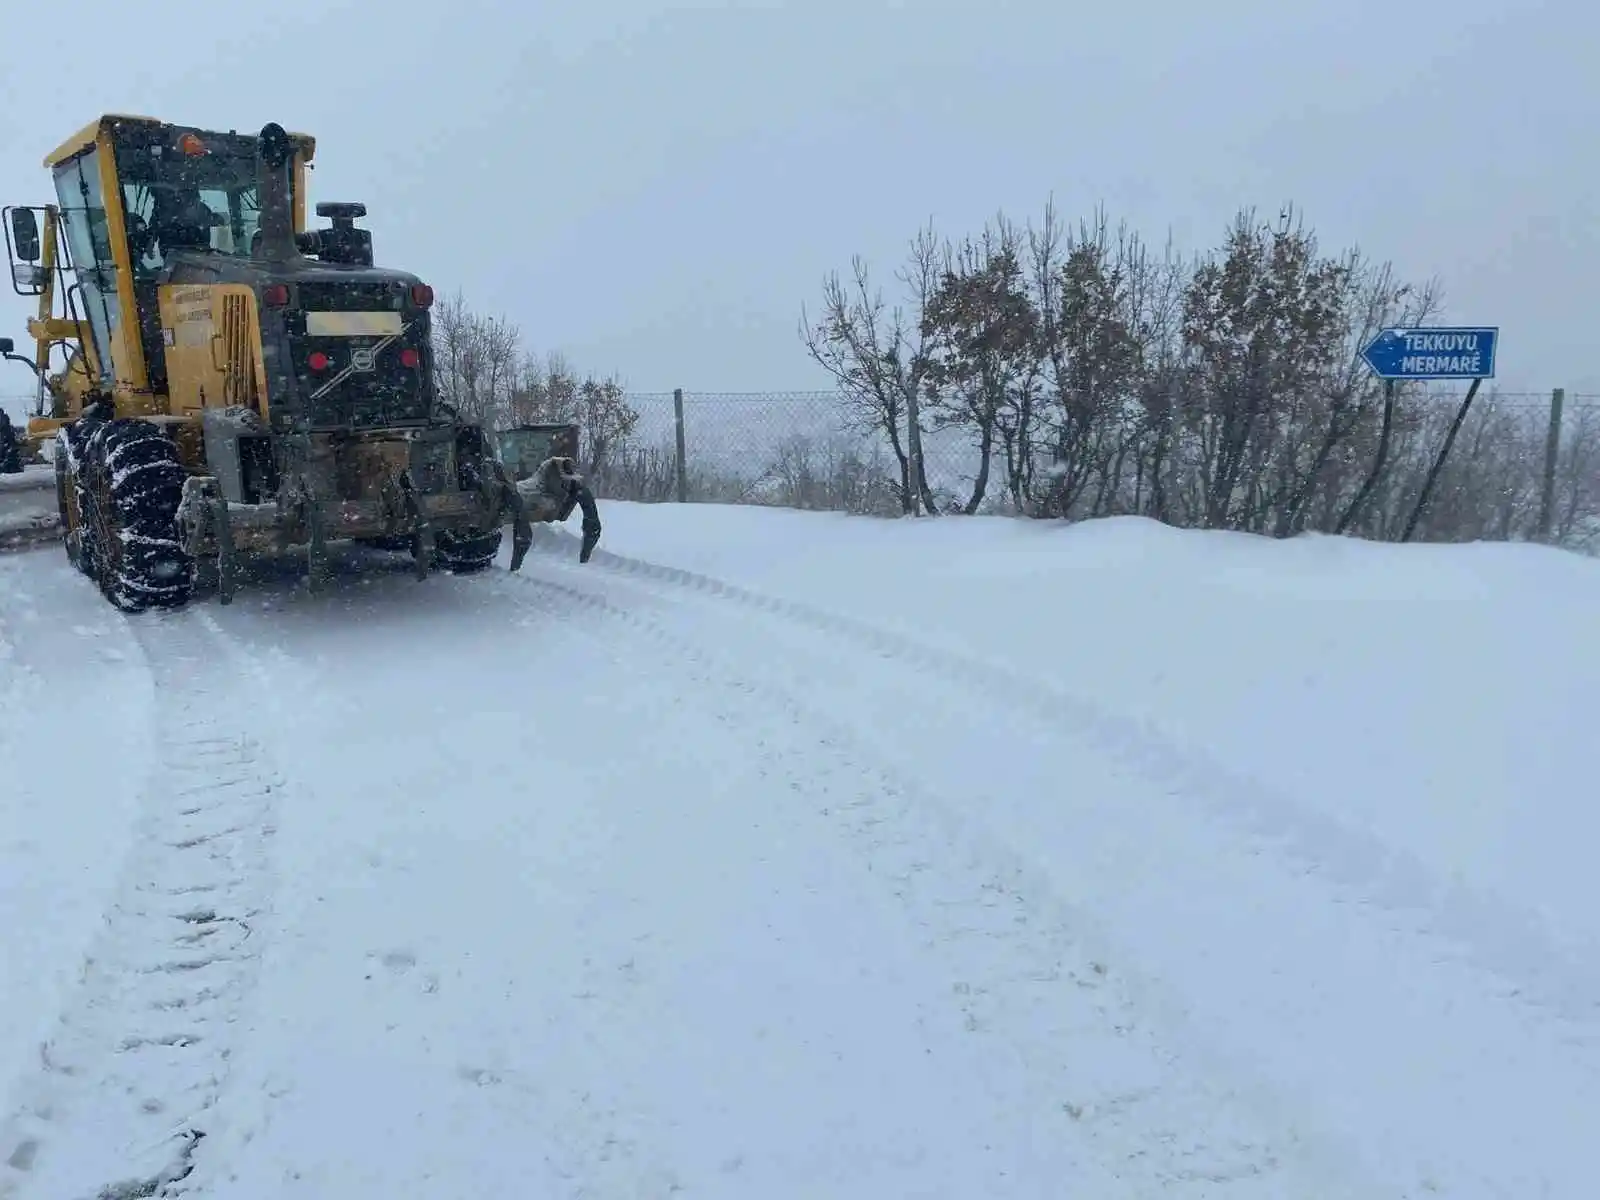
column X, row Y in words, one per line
column 363, row 358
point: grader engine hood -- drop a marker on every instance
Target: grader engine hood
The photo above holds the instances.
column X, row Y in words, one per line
column 344, row 343
column 354, row 353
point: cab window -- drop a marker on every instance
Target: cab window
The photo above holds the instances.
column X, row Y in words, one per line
column 165, row 217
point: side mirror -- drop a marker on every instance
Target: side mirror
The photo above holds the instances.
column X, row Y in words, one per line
column 25, row 234
column 8, row 353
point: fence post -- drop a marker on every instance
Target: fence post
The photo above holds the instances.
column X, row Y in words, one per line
column 1552, row 455
column 914, row 445
column 682, row 465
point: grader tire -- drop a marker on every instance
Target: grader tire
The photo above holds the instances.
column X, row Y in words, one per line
column 67, row 508
column 132, row 484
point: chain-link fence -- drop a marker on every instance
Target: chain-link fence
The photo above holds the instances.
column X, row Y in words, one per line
column 1521, row 465
column 813, row 450
column 793, row 449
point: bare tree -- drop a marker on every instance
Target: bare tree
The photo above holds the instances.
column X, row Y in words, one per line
column 1090, row 291
column 1265, row 325
column 877, row 355
column 1225, row 390
column 1578, row 479
column 981, row 332
column 484, row 371
column 1374, row 299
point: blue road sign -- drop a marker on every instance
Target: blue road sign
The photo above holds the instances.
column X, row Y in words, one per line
column 1439, row 352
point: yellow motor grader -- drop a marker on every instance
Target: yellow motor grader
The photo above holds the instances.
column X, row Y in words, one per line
column 233, row 382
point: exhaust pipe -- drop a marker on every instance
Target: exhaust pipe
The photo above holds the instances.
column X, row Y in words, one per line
column 274, row 153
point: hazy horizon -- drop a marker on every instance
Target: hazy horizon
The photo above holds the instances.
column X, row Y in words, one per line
column 655, row 191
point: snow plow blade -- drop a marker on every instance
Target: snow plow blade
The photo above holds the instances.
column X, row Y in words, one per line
column 542, row 461
column 551, row 496
column 535, row 485
column 459, row 529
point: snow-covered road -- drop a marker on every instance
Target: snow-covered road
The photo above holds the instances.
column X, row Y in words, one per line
column 619, row 880
column 28, row 507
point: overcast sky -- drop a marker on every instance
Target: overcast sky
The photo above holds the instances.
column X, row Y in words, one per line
column 655, row 189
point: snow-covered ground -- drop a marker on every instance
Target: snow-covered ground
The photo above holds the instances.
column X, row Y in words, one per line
column 27, row 501
column 28, row 505
column 782, row 854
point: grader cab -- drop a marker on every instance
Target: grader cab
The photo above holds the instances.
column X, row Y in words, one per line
column 232, row 382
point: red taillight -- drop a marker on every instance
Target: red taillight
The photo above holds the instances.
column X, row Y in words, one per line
column 410, row 357
column 421, row 295
column 317, row 360
column 275, row 295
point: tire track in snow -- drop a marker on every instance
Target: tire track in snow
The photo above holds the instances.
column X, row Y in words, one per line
column 67, row 643
column 602, row 1151
column 122, row 1090
column 1468, row 923
column 1027, row 969
column 1538, row 1042
column 588, row 1140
